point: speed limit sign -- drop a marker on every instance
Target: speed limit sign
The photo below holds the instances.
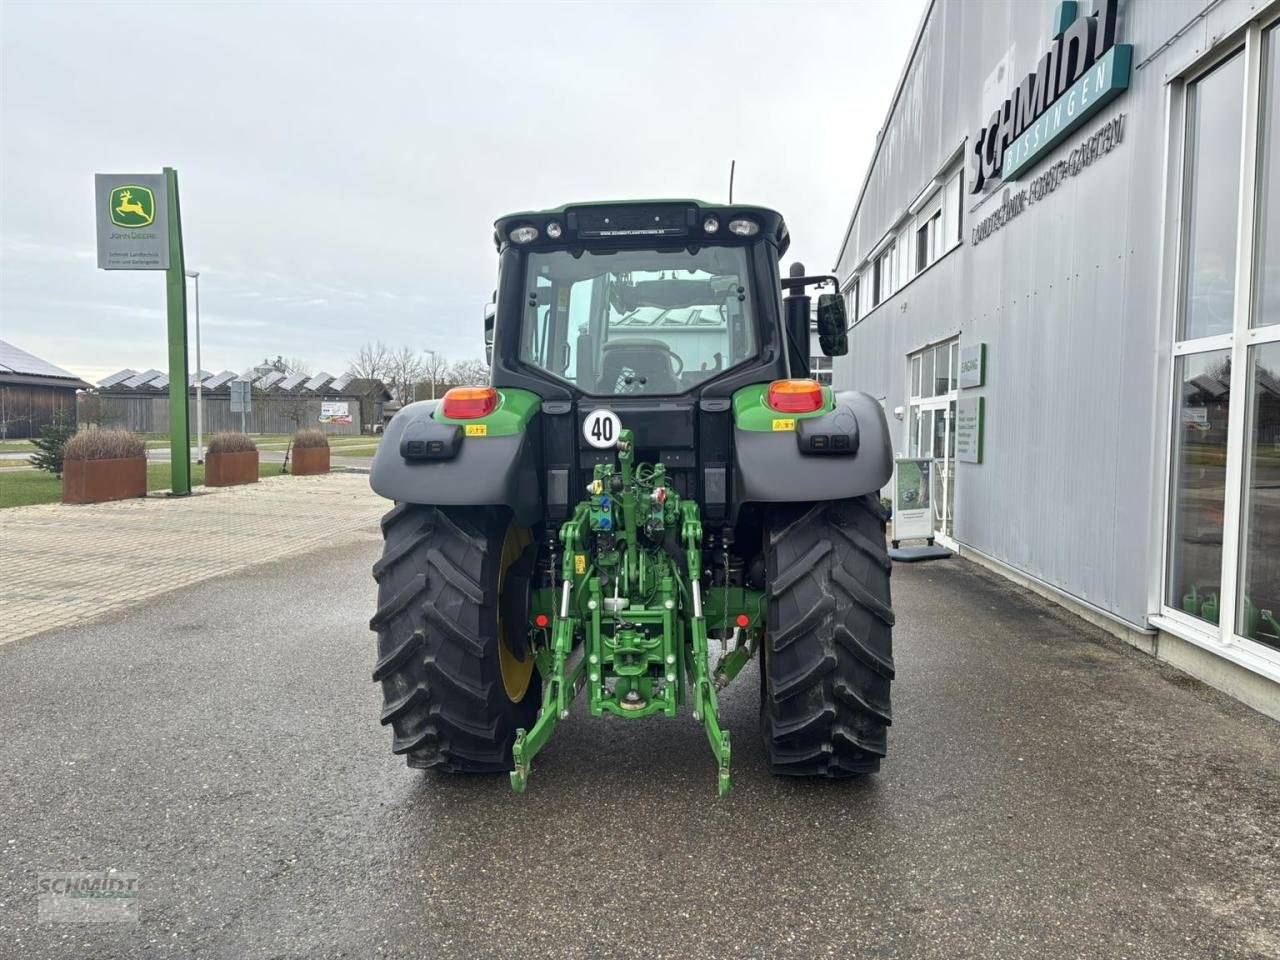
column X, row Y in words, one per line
column 601, row 428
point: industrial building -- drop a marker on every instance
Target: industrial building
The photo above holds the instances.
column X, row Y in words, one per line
column 280, row 402
column 1063, row 278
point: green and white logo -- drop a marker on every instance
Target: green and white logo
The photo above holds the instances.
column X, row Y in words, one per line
column 132, row 206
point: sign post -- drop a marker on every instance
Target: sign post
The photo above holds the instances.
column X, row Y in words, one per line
column 241, row 399
column 140, row 228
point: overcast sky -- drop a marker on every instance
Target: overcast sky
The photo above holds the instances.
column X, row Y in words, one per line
column 341, row 165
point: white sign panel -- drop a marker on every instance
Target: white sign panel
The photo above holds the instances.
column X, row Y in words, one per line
column 969, row 429
column 335, row 412
column 912, row 509
column 133, row 221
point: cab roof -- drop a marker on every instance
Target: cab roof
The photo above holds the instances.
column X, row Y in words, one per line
column 630, row 222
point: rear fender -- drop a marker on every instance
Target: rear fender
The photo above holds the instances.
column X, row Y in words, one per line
column 498, row 469
column 793, row 462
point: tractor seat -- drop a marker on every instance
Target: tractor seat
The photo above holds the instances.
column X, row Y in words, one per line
column 646, row 359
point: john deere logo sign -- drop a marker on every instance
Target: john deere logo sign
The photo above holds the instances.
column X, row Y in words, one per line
column 132, row 221
column 1083, row 69
column 132, row 206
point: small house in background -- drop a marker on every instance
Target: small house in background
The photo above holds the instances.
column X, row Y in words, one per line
column 33, row 392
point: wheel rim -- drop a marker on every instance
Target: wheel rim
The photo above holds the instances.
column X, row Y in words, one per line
column 516, row 673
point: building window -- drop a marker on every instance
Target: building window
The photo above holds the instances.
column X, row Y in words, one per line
column 1214, row 121
column 882, row 276
column 1222, row 567
column 820, row 369
column 929, row 242
column 851, row 301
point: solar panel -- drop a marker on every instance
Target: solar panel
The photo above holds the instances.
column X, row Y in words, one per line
column 119, row 377
column 291, row 381
column 219, row 381
column 13, row 360
column 319, row 380
column 200, row 375
column 270, row 380
column 133, row 383
column 341, row 383
column 159, row 383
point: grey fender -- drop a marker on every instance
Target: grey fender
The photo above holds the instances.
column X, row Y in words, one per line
column 485, row 471
column 772, row 467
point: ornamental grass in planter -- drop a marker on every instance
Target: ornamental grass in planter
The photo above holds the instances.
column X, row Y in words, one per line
column 101, row 465
column 230, row 459
column 310, row 452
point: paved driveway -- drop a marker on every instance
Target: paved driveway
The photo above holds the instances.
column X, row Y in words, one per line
column 63, row 564
column 1049, row 794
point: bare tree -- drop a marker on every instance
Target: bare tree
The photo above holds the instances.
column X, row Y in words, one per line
column 296, row 366
column 468, row 373
column 435, row 370
column 405, row 369
column 371, row 371
column 92, row 408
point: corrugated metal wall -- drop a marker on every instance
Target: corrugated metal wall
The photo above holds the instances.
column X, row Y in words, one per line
column 1066, row 296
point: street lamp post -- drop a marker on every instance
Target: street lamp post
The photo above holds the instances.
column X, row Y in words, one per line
column 195, row 275
column 432, row 371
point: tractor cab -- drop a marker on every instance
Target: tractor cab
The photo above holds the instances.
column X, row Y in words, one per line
column 647, row 299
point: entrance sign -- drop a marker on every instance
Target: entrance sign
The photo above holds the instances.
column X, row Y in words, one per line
column 140, row 228
column 912, row 510
column 133, row 221
column 973, row 365
column 970, row 412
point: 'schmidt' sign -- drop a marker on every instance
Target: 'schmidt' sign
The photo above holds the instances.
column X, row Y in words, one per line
column 1083, row 70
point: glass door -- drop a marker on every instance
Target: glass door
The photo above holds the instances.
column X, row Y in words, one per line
column 931, row 426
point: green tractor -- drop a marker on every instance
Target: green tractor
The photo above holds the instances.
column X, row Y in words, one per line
column 651, row 473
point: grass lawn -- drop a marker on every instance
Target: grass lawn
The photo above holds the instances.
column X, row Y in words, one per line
column 353, row 451
column 16, row 446
column 22, row 489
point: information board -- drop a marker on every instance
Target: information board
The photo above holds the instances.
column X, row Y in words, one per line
column 912, row 509
column 970, row 412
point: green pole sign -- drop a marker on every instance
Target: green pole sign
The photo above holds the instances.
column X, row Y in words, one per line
column 140, row 228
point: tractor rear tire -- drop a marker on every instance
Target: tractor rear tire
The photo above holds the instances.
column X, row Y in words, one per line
column 440, row 656
column 828, row 655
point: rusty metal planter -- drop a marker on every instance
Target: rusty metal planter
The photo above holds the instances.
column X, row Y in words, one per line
column 310, row 460
column 96, row 481
column 229, row 469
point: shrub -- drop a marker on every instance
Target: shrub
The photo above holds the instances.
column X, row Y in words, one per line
column 51, row 444
column 310, row 437
column 105, row 445
column 230, row 442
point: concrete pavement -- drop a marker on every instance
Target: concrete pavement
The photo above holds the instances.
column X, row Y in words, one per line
column 65, row 564
column 1049, row 794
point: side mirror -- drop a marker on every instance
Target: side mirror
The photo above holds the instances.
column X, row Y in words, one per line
column 490, row 312
column 833, row 326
